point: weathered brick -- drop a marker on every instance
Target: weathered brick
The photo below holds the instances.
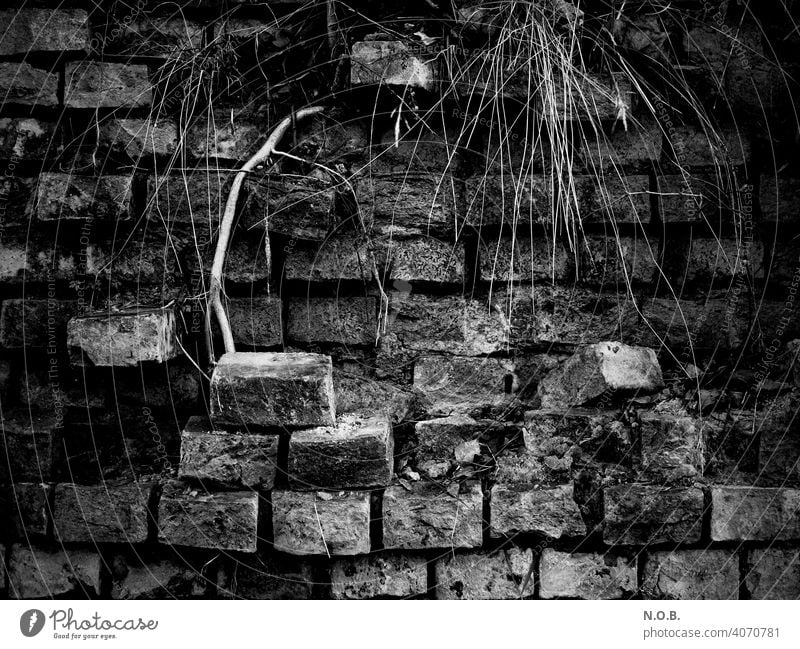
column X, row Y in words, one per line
column 619, row 259
column 586, row 575
column 101, row 514
column 28, row 86
column 471, row 386
column 425, row 259
column 150, row 34
column 336, row 258
column 644, row 514
column 754, row 514
column 139, row 138
column 429, row 517
column 256, row 321
column 672, row 448
column 393, row 63
column 325, row 523
column 300, row 208
column 779, row 443
column 35, row 573
column 273, row 389
column 44, row 30
column 731, row 448
column 221, row 521
column 549, row 511
column 357, row 393
column 92, row 84
column 692, row 574
column 379, row 576
column 225, row 135
column 637, row 146
column 722, row 147
column 773, row 573
column 779, row 199
column 693, row 198
column 195, row 196
column 266, row 576
column 506, row 574
column 27, row 139
column 343, row 320
column 598, row 369
column 156, row 575
column 124, row 338
column 26, row 505
column 32, row 450
column 68, row 197
column 358, row 452
column 523, row 260
column 226, row 458
column 35, row 323
column 721, row 260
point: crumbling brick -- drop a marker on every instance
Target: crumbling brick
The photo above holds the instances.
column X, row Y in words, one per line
column 506, row 574
column 35, row 573
column 754, row 514
column 92, row 84
column 586, row 575
column 692, row 574
column 386, row 575
column 549, row 511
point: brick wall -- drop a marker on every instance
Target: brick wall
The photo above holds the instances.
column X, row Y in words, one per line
column 433, row 394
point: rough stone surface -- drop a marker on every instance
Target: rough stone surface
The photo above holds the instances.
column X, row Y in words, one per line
column 27, row 139
column 344, row 320
column 266, row 576
column 692, row 198
column 32, row 450
column 91, row 84
column 156, row 576
column 672, row 448
column 220, row 521
column 523, row 260
column 754, row 514
column 780, row 198
column 273, row 389
column 585, row 575
column 645, row 514
column 619, row 260
column 506, row 574
column 66, row 197
column 139, row 138
column 637, row 146
column 24, row 509
column 357, row 452
column 44, row 30
column 393, row 63
column 385, row 575
column 321, row 523
column 27, row 86
column 779, row 443
column 337, row 258
column 692, row 574
column 35, row 323
column 35, row 573
column 193, row 196
column 228, row 459
column 773, row 573
column 426, row 516
column 549, row 511
column 256, row 321
column 425, row 259
column 125, row 338
column 598, row 368
column 356, row 393
column 303, row 208
column 101, row 514
column 151, row 34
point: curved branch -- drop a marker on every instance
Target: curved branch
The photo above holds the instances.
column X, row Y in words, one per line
column 215, row 294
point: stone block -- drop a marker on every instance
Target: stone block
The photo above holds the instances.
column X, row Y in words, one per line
column 266, row 576
column 44, row 30
column 524, row 260
column 337, row 258
column 256, row 321
column 298, row 208
column 506, row 574
column 321, row 523
column 425, row 259
column 26, row 139
column 619, row 260
column 32, row 450
column 358, row 452
column 124, row 338
column 548, row 511
column 229, row 459
column 92, row 84
column 586, row 575
column 66, row 197
column 156, row 575
column 342, row 320
column 35, row 323
column 139, row 138
column 692, row 574
column 26, row 508
column 35, row 573
column 672, row 448
column 273, row 389
column 779, row 443
column 427, row 516
column 754, row 514
column 24, row 85
column 393, row 63
column 779, row 199
column 384, row 575
column 773, row 573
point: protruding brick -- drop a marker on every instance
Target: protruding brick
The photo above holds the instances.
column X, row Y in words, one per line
column 228, row 459
column 27, row 139
column 392, row 63
column 124, row 338
column 429, row 517
column 101, row 514
column 506, row 574
column 644, row 514
column 773, row 573
column 382, row 575
column 273, row 389
column 358, row 452
column 586, row 575
column 92, row 84
column 598, row 369
column 44, row 30
column 266, row 576
column 220, row 521
column 754, row 514
column 692, row 574
column 28, row 86
column 34, row 573
column 524, row 261
column 471, row 386
column 550, row 511
column 672, row 448
column 325, row 523
column 35, row 323
column 343, row 320
column 66, row 197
